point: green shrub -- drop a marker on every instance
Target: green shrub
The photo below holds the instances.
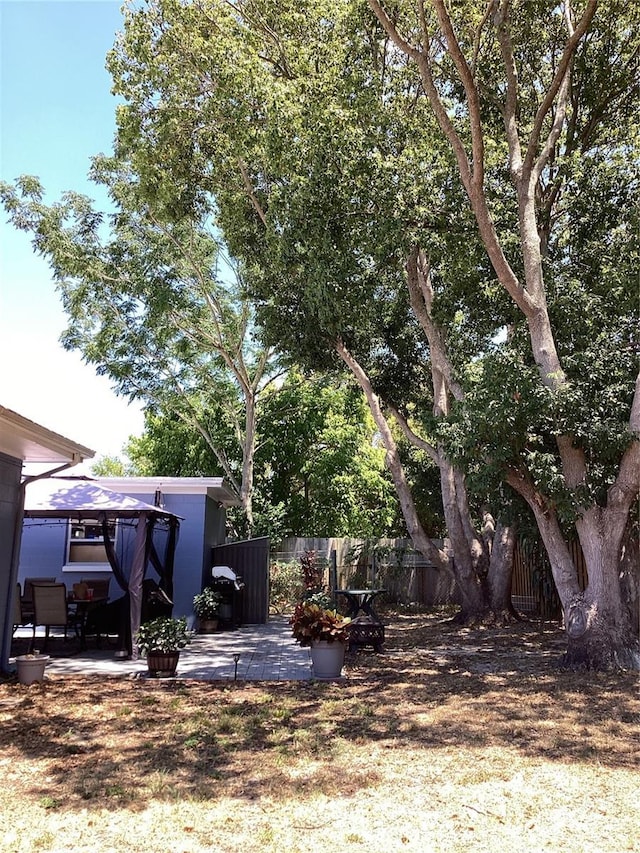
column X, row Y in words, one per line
column 286, row 585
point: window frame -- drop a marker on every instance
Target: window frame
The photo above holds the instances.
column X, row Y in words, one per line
column 73, row 525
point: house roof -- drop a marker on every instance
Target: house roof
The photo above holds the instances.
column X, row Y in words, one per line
column 23, row 439
column 69, row 497
column 214, row 487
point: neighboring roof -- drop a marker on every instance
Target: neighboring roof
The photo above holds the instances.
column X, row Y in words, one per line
column 26, row 440
column 68, row 497
column 214, row 487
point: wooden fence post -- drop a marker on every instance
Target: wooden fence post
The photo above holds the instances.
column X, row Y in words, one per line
column 333, row 574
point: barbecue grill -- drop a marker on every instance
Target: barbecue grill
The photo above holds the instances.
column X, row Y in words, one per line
column 231, row 587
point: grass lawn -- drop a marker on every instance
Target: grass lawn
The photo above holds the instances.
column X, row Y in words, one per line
column 452, row 740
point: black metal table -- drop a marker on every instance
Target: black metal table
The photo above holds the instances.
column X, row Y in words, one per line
column 361, row 601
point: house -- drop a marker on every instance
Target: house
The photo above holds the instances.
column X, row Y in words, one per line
column 27, row 450
column 201, row 503
column 64, row 537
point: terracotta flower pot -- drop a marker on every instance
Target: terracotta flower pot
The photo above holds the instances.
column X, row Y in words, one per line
column 208, row 626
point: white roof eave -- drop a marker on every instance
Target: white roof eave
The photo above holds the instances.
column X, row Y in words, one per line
column 213, row 487
column 30, row 442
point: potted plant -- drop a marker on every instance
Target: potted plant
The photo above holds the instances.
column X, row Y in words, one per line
column 161, row 640
column 31, row 667
column 325, row 632
column 206, row 605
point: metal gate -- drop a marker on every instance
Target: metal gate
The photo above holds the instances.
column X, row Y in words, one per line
column 250, row 560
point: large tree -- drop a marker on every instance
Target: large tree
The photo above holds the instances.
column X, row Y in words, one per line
column 296, row 140
column 535, row 106
column 157, row 306
column 491, row 150
column 563, row 78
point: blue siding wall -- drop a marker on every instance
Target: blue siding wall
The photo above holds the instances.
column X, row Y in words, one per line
column 202, row 526
column 188, row 562
column 43, row 549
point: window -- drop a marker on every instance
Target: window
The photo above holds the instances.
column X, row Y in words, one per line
column 85, row 545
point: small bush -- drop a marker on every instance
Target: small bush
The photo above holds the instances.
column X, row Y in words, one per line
column 286, row 585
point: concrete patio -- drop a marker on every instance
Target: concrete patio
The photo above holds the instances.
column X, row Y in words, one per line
column 264, row 653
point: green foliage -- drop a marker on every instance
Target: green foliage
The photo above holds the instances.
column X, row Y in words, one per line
column 310, row 623
column 317, row 459
column 170, row 447
column 304, row 136
column 164, row 634
column 286, row 585
column 206, row 604
column 317, row 469
column 113, row 466
column 157, row 306
column 319, row 599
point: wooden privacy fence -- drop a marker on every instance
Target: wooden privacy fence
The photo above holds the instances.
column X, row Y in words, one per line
column 410, row 578
column 390, row 563
column 532, row 586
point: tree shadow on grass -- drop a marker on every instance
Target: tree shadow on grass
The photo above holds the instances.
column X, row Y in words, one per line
column 120, row 741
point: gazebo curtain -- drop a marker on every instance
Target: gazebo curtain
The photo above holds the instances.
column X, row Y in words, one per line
column 164, row 567
column 144, row 552
column 116, row 568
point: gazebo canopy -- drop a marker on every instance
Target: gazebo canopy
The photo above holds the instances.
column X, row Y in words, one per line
column 72, row 497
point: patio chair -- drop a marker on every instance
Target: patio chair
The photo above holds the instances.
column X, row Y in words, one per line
column 26, row 600
column 16, row 619
column 50, row 608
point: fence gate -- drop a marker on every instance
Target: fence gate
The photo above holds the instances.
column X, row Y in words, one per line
column 250, row 560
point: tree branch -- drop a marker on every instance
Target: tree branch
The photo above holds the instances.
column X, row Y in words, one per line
column 415, row 529
column 422, row 59
column 510, row 109
column 250, row 192
column 412, row 437
column 471, row 91
column 421, row 298
column 562, row 72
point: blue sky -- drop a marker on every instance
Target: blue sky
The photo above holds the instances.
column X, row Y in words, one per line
column 56, row 111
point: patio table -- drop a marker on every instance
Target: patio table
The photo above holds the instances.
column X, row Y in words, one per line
column 361, row 600
column 81, row 607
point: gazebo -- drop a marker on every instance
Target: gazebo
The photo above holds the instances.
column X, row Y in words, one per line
column 23, row 443
column 81, row 498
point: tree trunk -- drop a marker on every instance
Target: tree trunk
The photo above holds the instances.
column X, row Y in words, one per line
column 599, row 629
column 599, row 636
column 248, row 460
column 598, row 621
column 470, row 562
column 415, row 530
column 630, row 572
column 466, row 557
column 500, row 574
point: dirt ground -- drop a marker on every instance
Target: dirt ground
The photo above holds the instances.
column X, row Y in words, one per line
column 451, row 740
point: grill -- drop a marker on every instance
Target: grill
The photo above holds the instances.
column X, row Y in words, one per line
column 231, row 587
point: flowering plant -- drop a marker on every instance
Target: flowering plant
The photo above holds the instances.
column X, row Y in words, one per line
column 312, row 622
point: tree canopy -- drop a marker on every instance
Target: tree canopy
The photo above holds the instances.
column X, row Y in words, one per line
column 158, row 307
column 495, row 145
column 440, row 199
